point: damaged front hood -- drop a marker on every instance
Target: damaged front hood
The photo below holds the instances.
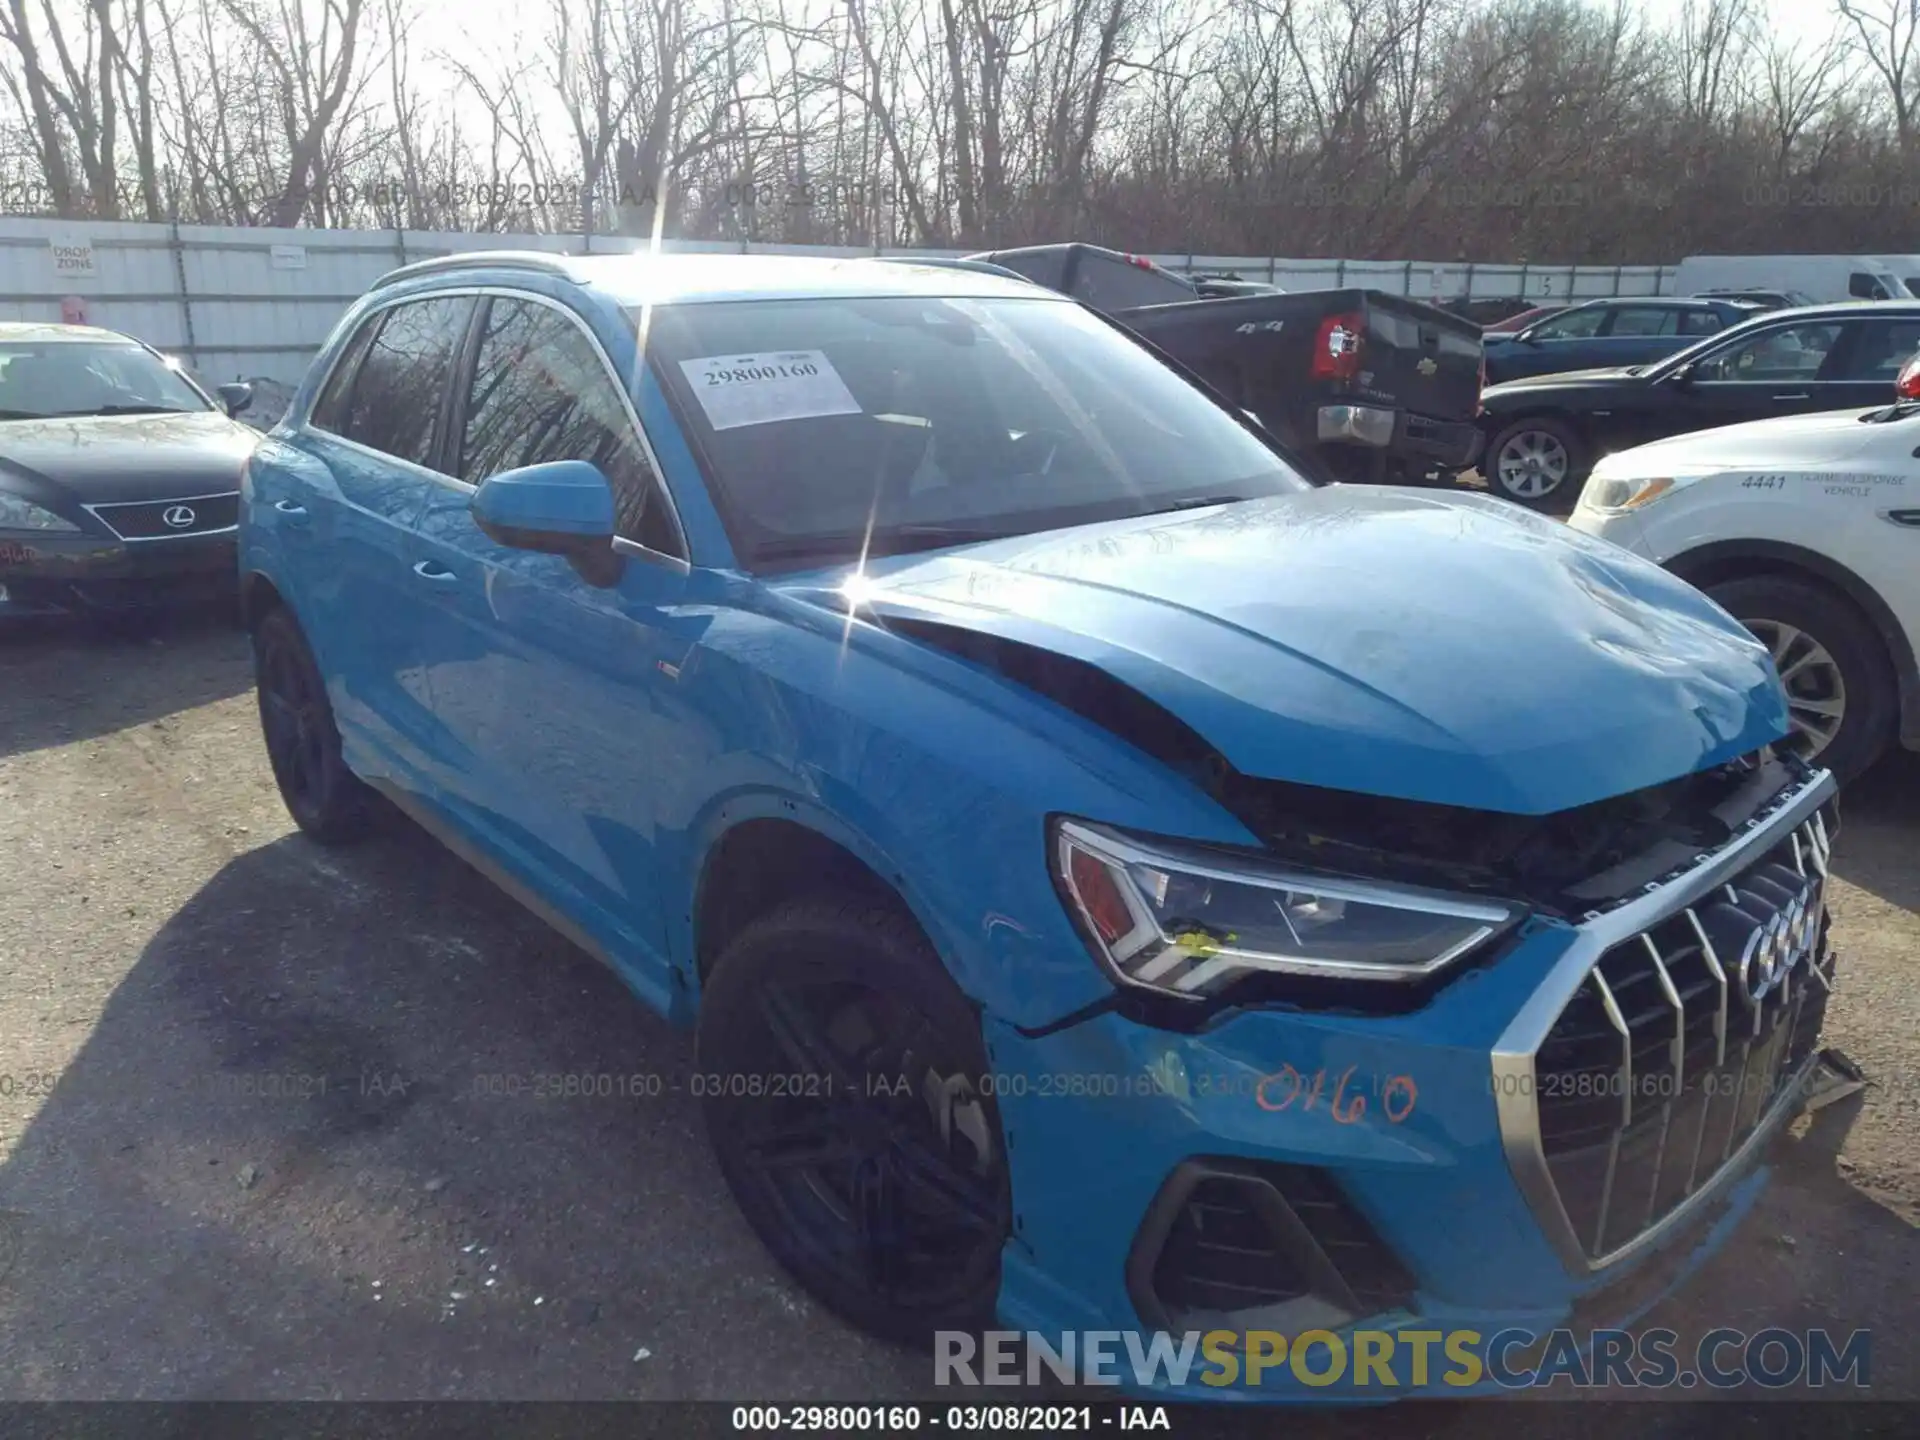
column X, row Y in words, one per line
column 1449, row 649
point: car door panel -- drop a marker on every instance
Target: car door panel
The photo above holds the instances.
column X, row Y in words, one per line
column 1777, row 371
column 357, row 602
column 550, row 742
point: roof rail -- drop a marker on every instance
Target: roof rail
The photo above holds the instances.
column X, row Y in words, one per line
column 540, row 261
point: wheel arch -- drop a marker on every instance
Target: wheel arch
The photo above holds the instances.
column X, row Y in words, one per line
column 1724, row 560
column 258, row 595
column 760, row 851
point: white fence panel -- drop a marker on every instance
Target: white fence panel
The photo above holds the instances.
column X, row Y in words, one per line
column 257, row 303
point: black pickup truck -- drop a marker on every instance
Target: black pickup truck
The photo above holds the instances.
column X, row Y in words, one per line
column 1376, row 387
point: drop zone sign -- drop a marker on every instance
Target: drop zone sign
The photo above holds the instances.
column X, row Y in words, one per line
column 72, row 257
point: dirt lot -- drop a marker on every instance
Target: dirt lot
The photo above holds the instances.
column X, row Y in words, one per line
column 168, row 1231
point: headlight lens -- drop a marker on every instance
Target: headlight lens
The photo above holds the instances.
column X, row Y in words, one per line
column 18, row 514
column 1189, row 923
column 1614, row 497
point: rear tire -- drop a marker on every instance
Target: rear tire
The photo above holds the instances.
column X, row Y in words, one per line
column 1539, row 462
column 843, row 1083
column 326, row 799
column 1840, row 686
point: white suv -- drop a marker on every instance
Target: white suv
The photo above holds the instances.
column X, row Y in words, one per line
column 1806, row 529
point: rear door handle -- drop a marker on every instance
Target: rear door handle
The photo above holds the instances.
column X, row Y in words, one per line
column 294, row 511
column 433, row 570
column 1797, row 395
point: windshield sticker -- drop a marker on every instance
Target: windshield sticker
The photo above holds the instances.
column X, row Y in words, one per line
column 738, row 390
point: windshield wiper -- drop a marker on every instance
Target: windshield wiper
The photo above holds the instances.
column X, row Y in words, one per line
column 882, row 542
column 1899, row 410
column 128, row 410
column 1198, row 502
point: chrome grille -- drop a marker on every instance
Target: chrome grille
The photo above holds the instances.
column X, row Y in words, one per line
column 170, row 519
column 1680, row 1044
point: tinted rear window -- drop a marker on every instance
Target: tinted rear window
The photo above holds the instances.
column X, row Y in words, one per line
column 1108, row 282
column 396, row 395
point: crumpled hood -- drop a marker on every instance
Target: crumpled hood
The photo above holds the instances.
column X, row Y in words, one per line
column 1787, row 442
column 1450, row 649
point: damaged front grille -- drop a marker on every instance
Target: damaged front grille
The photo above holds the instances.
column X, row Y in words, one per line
column 1681, row 1046
column 1574, row 864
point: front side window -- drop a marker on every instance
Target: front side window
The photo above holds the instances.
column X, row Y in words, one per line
column 541, row 392
column 44, row 378
column 1578, row 324
column 1862, row 286
column 832, row 428
column 1699, row 322
column 1790, row 352
column 394, row 400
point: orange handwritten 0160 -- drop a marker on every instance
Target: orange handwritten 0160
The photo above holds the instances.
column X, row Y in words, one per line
column 1279, row 1091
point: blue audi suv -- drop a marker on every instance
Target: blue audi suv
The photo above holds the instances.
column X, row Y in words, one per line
column 1116, row 884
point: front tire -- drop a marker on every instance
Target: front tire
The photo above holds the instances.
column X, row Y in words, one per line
column 1840, row 689
column 845, row 1087
column 326, row 799
column 1539, row 462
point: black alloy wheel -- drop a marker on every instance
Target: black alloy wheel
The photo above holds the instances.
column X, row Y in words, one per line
column 843, row 1079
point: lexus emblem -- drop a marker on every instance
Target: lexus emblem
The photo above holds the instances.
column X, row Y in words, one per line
column 1773, row 950
column 1427, row 365
column 178, row 517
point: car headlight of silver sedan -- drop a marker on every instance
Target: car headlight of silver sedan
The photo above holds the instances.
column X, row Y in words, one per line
column 1190, row 921
column 19, row 514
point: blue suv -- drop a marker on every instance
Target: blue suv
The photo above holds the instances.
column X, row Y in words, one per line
column 1117, row 884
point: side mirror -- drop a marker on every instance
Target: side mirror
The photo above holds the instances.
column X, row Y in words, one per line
column 1681, row 375
column 236, row 396
column 562, row 507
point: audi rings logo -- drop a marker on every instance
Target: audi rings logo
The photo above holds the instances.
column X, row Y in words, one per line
column 1787, row 938
column 178, row 517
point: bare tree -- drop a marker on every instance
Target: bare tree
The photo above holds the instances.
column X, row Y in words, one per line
column 1884, row 35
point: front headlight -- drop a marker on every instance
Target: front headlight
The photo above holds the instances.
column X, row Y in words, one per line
column 18, row 514
column 1613, row 496
column 1190, row 922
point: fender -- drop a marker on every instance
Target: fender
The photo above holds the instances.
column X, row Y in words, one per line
column 725, row 812
column 1722, row 559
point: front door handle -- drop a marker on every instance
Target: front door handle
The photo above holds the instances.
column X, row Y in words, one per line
column 433, row 570
column 295, row 512
column 1796, row 395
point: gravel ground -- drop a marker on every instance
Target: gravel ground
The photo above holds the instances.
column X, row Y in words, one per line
column 167, row 1230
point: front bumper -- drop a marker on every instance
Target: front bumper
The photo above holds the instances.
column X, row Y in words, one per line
column 92, row 574
column 1399, row 1178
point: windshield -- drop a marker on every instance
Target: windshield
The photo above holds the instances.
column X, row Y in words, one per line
column 75, row 377
column 928, row 422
